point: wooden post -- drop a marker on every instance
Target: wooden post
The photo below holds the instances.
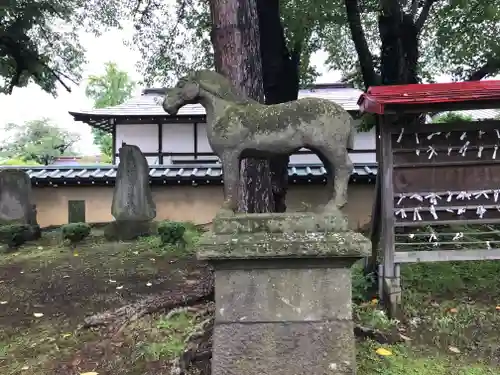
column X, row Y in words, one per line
column 391, row 288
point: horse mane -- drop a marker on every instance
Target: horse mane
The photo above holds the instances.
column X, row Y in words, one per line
column 225, row 89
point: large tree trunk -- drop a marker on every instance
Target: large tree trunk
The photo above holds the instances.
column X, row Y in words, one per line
column 280, row 70
column 235, row 37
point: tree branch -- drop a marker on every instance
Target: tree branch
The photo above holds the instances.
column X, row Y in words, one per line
column 365, row 57
column 492, row 66
column 424, row 14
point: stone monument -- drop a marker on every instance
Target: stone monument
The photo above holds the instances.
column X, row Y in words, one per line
column 17, row 203
column 282, row 281
column 133, row 207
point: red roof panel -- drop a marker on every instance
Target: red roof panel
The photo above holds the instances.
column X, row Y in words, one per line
column 378, row 97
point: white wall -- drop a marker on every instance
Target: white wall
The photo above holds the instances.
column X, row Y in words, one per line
column 177, row 138
column 362, row 141
column 145, row 136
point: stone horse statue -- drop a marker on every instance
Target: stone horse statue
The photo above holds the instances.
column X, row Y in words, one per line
column 239, row 127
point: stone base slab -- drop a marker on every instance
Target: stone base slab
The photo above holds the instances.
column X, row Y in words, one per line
column 316, row 348
column 290, row 295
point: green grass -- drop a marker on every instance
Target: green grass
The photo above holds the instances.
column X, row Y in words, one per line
column 448, row 307
column 169, row 342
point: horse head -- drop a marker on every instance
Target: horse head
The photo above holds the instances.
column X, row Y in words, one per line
column 186, row 91
column 189, row 88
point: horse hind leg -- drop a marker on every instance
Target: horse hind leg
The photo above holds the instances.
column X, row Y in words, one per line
column 329, row 175
column 231, row 172
column 342, row 168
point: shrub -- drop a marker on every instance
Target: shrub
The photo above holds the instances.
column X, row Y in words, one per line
column 171, row 232
column 14, row 235
column 75, row 232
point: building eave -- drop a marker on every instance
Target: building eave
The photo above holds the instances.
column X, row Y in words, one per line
column 208, row 174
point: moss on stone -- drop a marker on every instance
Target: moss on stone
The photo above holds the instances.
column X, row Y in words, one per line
column 294, row 235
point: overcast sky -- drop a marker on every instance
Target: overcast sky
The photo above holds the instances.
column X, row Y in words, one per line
column 32, row 103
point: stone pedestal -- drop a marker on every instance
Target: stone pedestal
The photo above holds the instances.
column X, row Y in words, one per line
column 283, row 293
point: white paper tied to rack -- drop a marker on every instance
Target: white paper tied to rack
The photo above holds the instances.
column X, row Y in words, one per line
column 480, row 152
column 418, row 197
column 463, row 149
column 495, row 149
column 480, row 134
column 433, row 198
column 416, row 214
column 480, row 211
column 432, row 152
column 417, row 141
column 401, row 197
column 429, row 137
column 458, row 236
column 483, row 193
column 496, row 192
column 463, row 195
column 450, row 149
column 450, row 196
column 447, row 135
column 463, row 136
column 461, row 210
column 433, row 237
column 498, row 133
column 432, row 211
column 400, row 135
column 411, row 236
column 488, row 245
column 401, row 213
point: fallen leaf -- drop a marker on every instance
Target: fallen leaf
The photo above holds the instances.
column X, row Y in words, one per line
column 89, row 373
column 454, row 349
column 135, row 252
column 66, row 277
column 374, row 301
column 148, row 284
column 119, row 287
column 152, row 259
column 112, row 281
column 66, row 335
column 37, row 315
column 40, row 247
column 383, row 352
column 21, row 272
column 75, row 254
column 3, row 302
column 497, row 308
column 453, row 310
column 25, row 368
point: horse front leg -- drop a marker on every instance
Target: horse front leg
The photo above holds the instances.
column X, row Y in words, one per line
column 343, row 168
column 231, row 169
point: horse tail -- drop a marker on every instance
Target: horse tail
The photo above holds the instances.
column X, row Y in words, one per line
column 350, row 138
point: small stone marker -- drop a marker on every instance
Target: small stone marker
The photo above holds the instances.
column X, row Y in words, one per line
column 17, row 203
column 283, row 293
column 133, row 207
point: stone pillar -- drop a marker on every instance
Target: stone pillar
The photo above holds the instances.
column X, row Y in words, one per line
column 283, row 293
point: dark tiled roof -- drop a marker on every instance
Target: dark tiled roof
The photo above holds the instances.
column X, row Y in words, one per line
column 177, row 174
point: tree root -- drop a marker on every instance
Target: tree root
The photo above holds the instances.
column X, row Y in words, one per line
column 184, row 295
